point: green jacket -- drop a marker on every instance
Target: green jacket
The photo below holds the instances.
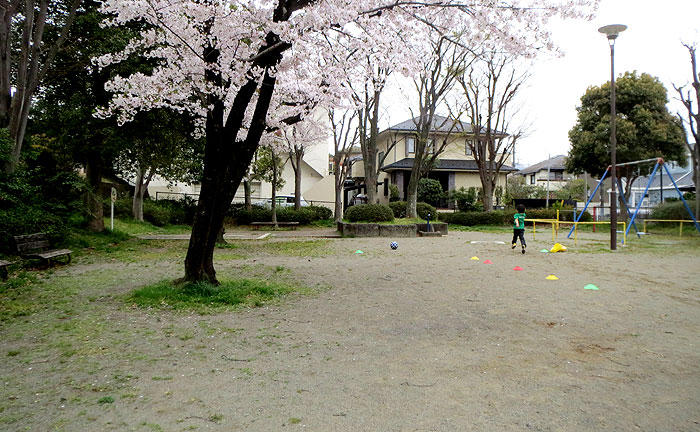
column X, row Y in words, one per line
column 519, row 221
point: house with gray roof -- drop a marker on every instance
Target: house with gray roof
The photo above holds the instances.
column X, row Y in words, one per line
column 551, row 171
column 455, row 166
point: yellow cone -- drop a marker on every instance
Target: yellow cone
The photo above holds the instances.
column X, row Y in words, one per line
column 552, row 277
column 474, row 258
column 558, row 247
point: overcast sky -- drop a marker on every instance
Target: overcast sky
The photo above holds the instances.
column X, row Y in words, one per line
column 651, row 44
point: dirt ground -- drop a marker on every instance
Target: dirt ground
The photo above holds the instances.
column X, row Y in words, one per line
column 417, row 339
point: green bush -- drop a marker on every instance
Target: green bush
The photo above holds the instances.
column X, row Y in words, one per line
column 304, row 215
column 241, row 216
column 398, row 208
column 496, row 217
column 322, row 213
column 38, row 200
column 423, row 209
column 429, row 190
column 156, row 212
column 671, row 210
column 369, row 213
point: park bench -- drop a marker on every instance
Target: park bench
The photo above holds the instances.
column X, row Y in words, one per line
column 257, row 225
column 36, row 246
column 3, row 269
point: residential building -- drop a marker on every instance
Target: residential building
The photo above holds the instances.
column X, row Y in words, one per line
column 455, row 167
column 550, row 174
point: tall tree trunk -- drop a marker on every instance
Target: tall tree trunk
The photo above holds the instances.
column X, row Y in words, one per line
column 137, row 201
column 412, row 192
column 696, row 173
column 225, row 165
column 298, row 155
column 246, row 192
column 93, row 199
column 338, row 212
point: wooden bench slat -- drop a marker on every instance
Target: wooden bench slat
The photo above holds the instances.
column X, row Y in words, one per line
column 35, row 245
column 52, row 253
column 4, row 263
column 21, row 247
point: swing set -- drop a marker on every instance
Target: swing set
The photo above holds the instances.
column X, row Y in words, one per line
column 633, row 216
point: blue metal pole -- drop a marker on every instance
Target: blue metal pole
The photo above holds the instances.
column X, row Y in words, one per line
column 690, row 212
column 636, row 210
column 428, row 228
column 624, row 201
column 600, row 182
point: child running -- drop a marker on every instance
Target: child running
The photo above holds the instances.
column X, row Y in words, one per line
column 519, row 227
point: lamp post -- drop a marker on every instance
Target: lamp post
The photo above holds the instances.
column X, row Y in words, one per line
column 612, row 32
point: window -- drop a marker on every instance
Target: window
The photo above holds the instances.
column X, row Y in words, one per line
column 431, row 146
column 532, row 179
column 330, row 167
column 380, row 159
column 468, row 147
column 410, row 145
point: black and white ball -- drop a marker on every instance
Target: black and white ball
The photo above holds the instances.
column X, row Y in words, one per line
column 394, row 245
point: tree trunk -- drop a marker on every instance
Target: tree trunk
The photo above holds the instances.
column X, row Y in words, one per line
column 274, row 189
column 338, row 213
column 93, row 200
column 137, row 201
column 222, row 175
column 297, row 179
column 246, row 191
column 487, row 192
column 412, row 192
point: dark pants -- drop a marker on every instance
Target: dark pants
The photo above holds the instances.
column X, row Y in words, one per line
column 519, row 234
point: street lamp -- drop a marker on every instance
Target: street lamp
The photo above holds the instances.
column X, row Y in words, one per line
column 612, row 31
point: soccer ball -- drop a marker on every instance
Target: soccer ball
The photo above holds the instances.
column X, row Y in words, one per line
column 394, row 245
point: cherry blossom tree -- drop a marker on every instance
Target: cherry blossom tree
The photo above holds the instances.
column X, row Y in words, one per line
column 240, row 66
column 297, row 138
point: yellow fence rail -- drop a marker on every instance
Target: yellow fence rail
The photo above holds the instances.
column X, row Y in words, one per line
column 555, row 227
column 680, row 231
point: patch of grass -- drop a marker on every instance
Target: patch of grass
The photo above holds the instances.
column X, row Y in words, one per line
column 105, row 400
column 135, row 228
column 240, row 292
column 294, row 420
column 12, row 353
column 325, row 223
column 100, row 241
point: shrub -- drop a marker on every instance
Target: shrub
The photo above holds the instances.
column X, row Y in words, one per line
column 322, row 212
column 465, row 198
column 429, row 190
column 304, row 215
column 398, row 208
column 156, row 212
column 241, row 216
column 496, row 217
column 422, row 210
column 369, row 213
column 670, row 210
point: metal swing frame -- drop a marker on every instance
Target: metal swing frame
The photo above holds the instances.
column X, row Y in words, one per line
column 659, row 162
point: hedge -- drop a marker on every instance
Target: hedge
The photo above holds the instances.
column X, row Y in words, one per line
column 369, row 213
column 499, row 217
column 422, row 209
column 672, row 210
column 304, row 215
column 496, row 217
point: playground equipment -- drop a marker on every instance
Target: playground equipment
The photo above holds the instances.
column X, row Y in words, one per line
column 633, row 216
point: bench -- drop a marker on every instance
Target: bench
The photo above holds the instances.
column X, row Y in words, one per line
column 257, row 225
column 35, row 246
column 3, row 269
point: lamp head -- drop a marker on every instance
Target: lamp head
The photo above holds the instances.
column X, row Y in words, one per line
column 612, row 30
